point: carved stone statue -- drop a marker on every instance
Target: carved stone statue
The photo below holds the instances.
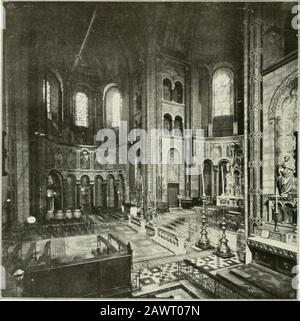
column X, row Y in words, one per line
column 286, row 175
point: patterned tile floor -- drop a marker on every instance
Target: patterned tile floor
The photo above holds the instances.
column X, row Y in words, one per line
column 213, row 263
column 155, row 275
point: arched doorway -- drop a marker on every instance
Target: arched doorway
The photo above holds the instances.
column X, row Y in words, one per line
column 54, row 191
column 85, row 193
column 98, row 191
column 208, row 178
column 71, row 192
column 223, row 171
column 110, row 191
column 121, row 191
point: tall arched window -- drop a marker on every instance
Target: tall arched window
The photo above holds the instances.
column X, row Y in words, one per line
column 81, row 109
column 113, row 106
column 222, row 92
column 167, row 89
column 178, row 92
column 52, row 97
column 46, row 98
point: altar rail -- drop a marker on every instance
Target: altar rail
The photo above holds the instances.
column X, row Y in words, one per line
column 169, row 240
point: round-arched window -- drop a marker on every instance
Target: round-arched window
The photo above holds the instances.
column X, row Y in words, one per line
column 81, row 109
column 113, row 106
column 223, row 94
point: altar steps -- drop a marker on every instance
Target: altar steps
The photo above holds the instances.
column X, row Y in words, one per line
column 253, row 281
column 180, row 222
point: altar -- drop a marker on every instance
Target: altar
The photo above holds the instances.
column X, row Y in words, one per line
column 230, row 201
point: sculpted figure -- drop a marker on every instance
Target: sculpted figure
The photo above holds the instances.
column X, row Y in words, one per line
column 286, row 175
column 85, row 160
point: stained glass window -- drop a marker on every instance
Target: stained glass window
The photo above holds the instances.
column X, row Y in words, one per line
column 222, row 86
column 81, row 109
column 47, row 97
column 113, row 107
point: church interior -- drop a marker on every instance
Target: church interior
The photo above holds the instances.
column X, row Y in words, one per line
column 73, row 227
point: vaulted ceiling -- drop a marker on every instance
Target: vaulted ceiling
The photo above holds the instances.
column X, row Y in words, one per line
column 122, row 33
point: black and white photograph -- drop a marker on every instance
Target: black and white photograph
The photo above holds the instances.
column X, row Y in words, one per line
column 149, row 151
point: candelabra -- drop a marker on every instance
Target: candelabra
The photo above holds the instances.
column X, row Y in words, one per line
column 276, row 211
column 204, row 242
column 223, row 250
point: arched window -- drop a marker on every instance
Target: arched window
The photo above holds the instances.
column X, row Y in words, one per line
column 46, row 97
column 52, row 97
column 167, row 89
column 178, row 125
column 222, row 92
column 178, row 92
column 167, row 123
column 113, row 105
column 81, row 109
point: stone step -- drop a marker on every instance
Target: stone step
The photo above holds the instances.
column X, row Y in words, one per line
column 276, row 284
column 241, row 286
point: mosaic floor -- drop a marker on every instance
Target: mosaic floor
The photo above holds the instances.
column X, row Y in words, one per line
column 156, row 275
column 213, row 263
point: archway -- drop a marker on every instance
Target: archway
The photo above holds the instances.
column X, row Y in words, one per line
column 110, row 191
column 223, row 166
column 121, row 191
column 98, row 191
column 178, row 92
column 70, row 192
column 167, row 123
column 208, row 177
column 167, row 89
column 54, row 191
column 85, row 193
column 178, row 124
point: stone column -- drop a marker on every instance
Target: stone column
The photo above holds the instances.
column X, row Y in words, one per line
column 254, row 113
column 78, row 198
column 216, row 170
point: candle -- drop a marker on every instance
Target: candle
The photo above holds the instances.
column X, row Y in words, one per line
column 203, row 188
column 276, row 200
column 222, row 175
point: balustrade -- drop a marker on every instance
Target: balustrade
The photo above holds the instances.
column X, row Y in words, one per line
column 169, row 240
